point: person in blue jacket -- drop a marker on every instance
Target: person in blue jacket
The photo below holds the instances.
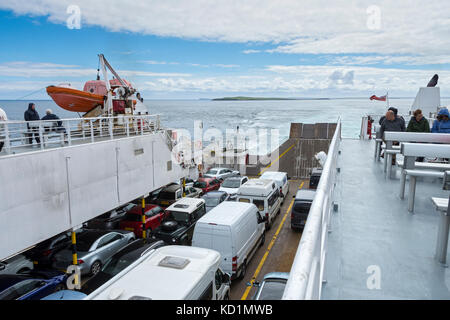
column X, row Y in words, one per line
column 442, row 124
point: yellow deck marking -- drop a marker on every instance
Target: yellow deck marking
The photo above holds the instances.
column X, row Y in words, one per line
column 262, row 171
column 263, row 260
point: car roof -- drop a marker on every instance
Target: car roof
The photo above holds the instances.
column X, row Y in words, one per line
column 233, row 213
column 235, row 178
column 205, row 179
column 155, row 280
column 305, row 194
column 214, row 194
column 138, row 209
column 8, row 280
column 187, row 205
column 171, row 188
column 91, row 235
column 273, row 175
column 277, row 275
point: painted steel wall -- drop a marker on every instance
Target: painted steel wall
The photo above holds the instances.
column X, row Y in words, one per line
column 44, row 193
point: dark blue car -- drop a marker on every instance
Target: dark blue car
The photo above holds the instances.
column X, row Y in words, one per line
column 29, row 287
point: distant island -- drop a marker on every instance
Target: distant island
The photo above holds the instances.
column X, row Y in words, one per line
column 240, row 98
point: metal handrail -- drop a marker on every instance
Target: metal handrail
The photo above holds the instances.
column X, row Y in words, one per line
column 17, row 134
column 306, row 275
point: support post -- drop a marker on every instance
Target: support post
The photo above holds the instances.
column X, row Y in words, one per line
column 74, row 255
column 144, row 232
column 184, row 186
column 443, row 233
column 412, row 193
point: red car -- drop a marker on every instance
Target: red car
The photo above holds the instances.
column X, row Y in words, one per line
column 132, row 221
column 207, row 184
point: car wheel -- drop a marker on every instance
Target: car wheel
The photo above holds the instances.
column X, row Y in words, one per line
column 148, row 233
column 263, row 239
column 243, row 270
column 96, row 267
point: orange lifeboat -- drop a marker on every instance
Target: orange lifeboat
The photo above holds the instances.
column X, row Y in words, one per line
column 93, row 95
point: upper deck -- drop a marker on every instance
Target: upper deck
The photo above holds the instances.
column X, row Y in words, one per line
column 374, row 237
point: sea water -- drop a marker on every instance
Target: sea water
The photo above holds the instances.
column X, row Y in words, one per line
column 258, row 115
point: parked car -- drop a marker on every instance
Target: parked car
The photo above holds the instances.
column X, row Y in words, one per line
column 94, row 248
column 220, row 173
column 207, row 184
column 300, row 208
column 132, row 221
column 119, row 261
column 29, row 287
column 179, row 225
column 66, row 295
column 42, row 254
column 281, row 179
column 265, row 195
column 173, row 192
column 169, row 273
column 235, row 230
column 188, row 182
column 272, row 287
column 16, row 264
column 214, row 198
column 231, row 186
column 315, row 178
column 111, row 219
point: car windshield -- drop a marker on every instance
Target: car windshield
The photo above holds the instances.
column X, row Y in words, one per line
column 212, row 171
column 200, row 184
column 133, row 217
column 259, row 204
column 231, row 183
column 180, row 216
column 166, row 195
column 302, row 207
column 118, row 263
column 272, row 290
column 211, row 202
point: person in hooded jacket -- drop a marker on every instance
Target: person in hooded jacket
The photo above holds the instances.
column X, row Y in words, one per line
column 32, row 115
column 442, row 123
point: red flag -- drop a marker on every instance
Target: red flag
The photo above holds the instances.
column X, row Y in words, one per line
column 382, row 98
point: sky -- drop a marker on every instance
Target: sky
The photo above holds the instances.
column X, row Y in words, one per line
column 213, row 48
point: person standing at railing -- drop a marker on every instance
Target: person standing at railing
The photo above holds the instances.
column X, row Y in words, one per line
column 32, row 115
column 442, row 122
column 3, row 117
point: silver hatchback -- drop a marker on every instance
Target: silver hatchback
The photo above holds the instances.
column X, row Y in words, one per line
column 94, row 248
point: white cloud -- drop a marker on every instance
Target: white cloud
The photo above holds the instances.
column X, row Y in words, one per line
column 249, row 51
column 45, row 70
column 308, row 26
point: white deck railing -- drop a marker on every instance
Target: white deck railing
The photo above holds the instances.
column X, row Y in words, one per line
column 306, row 275
column 17, row 135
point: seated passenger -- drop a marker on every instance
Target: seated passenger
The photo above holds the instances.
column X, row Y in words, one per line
column 442, row 124
column 392, row 123
column 57, row 125
column 418, row 123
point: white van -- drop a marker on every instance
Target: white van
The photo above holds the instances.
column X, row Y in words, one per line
column 264, row 194
column 281, row 179
column 169, row 273
column 234, row 229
